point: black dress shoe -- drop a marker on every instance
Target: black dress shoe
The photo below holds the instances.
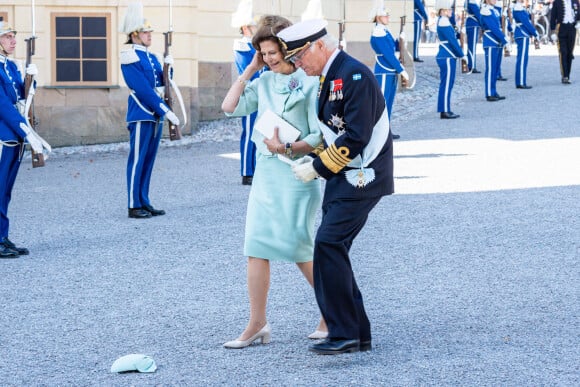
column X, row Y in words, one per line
column 502, row 79
column 500, row 97
column 6, row 252
column 396, row 136
column 449, row 115
column 139, row 213
column 9, row 245
column 475, row 71
column 335, row 347
column 492, row 98
column 153, row 211
column 365, row 346
column 419, row 60
column 247, row 180
column 566, row 81
column 523, row 87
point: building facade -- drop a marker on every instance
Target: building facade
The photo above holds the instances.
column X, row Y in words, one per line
column 81, row 97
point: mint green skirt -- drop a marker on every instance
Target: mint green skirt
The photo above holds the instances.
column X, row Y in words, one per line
column 281, row 213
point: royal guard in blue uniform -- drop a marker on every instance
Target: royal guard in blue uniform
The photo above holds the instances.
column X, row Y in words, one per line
column 357, row 164
column 387, row 65
column 419, row 18
column 493, row 42
column 15, row 132
column 472, row 28
column 449, row 51
column 500, row 13
column 146, row 111
column 523, row 31
column 565, row 22
column 243, row 54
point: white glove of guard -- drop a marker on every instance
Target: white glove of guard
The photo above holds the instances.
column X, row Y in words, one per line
column 508, row 47
column 554, row 37
column 34, row 142
column 578, row 25
column 172, row 118
column 405, row 75
column 304, row 171
column 402, row 35
column 31, row 69
column 168, row 60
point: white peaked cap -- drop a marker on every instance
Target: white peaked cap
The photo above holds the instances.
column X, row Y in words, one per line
column 378, row 9
column 298, row 36
column 243, row 15
column 313, row 10
column 134, row 20
column 443, row 4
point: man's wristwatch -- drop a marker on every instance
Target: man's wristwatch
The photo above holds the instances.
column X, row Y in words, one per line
column 288, row 149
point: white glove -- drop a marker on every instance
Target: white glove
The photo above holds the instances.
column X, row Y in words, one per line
column 464, row 58
column 172, row 118
column 303, row 160
column 463, row 30
column 304, row 171
column 402, row 35
column 509, row 47
column 342, row 44
column 34, row 142
column 578, row 25
column 31, row 69
column 405, row 75
column 168, row 60
column 554, row 38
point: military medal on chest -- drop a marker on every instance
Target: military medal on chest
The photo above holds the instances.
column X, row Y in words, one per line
column 335, row 90
column 338, row 123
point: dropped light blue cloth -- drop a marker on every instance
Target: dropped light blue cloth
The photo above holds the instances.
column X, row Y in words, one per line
column 134, row 362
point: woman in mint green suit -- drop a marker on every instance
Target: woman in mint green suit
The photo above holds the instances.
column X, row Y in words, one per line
column 281, row 209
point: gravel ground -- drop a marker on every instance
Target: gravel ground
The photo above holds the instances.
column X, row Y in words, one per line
column 469, row 273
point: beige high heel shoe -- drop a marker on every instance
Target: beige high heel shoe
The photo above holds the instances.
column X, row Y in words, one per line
column 318, row 335
column 265, row 334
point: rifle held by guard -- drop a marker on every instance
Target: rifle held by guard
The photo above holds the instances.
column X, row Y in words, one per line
column 174, row 132
column 37, row 158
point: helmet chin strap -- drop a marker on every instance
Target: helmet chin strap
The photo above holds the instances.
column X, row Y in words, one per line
column 3, row 50
column 136, row 39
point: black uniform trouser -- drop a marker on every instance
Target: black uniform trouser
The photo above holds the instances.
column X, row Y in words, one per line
column 338, row 296
column 566, row 41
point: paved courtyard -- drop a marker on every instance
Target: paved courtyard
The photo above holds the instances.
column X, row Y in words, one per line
column 470, row 272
